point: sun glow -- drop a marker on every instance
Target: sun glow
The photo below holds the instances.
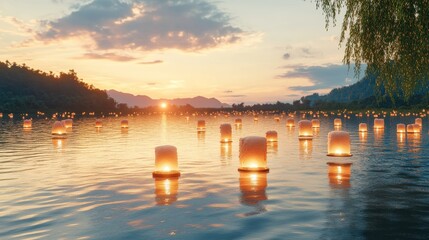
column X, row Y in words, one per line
column 163, row 105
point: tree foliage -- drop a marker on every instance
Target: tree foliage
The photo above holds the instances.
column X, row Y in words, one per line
column 392, row 36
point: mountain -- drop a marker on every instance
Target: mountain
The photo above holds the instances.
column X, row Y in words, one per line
column 143, row 101
column 26, row 90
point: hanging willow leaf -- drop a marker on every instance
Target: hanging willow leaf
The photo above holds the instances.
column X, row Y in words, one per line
column 391, row 36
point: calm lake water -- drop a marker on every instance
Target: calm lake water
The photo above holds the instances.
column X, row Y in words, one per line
column 99, row 185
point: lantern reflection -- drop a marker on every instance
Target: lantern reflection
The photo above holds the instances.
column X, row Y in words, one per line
column 166, row 162
column 225, row 133
column 58, row 143
column 27, row 124
column 414, row 141
column 305, row 149
column 339, row 174
column 226, row 150
column 58, row 130
column 378, row 133
column 363, row 127
column 253, row 154
column 272, row 147
column 201, row 126
column 400, row 138
column 124, row 123
column 201, row 136
column 253, row 187
column 271, row 136
column 166, row 190
column 305, row 130
column 339, row 144
column 363, row 136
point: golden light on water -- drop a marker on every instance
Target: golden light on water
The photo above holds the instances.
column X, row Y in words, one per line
column 166, row 190
column 253, row 187
column 339, row 174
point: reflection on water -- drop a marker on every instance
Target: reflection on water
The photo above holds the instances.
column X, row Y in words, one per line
column 166, row 190
column 363, row 136
column 378, row 135
column 99, row 185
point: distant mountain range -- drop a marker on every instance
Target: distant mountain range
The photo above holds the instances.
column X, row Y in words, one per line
column 143, row 101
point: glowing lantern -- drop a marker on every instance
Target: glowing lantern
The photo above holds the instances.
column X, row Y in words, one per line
column 290, row 122
column 27, row 123
column 379, row 123
column 166, row 190
column 276, row 118
column 339, row 173
column 413, row 128
column 363, row 127
column 339, row 144
column 315, row 123
column 58, row 130
column 252, row 187
column 253, row 154
column 337, row 122
column 124, row 123
column 1, row 115
column 238, row 121
column 98, row 123
column 255, row 118
column 68, row 123
column 225, row 133
column 305, row 129
column 400, row 128
column 271, row 136
column 166, row 162
column 418, row 121
column 201, row 125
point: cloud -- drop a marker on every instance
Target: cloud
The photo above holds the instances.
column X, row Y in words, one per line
column 286, row 56
column 321, row 77
column 108, row 56
column 234, row 96
column 228, row 91
column 151, row 83
column 152, row 62
column 145, row 25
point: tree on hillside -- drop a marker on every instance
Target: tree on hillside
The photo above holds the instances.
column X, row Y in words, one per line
column 392, row 36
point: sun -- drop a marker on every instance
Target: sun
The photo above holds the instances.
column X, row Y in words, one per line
column 163, row 105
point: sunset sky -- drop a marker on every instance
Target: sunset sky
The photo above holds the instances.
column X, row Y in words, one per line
column 235, row 50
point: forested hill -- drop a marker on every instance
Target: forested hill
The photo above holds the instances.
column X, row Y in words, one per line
column 23, row 89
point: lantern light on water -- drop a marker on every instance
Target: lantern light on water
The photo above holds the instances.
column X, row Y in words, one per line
column 315, row 123
column 124, row 123
column 305, row 130
column 339, row 173
column 59, row 130
column 400, row 128
column 339, row 144
column 166, row 190
column 201, row 125
column 271, row 136
column 166, row 164
column 363, row 127
column 225, row 133
column 290, row 122
column 378, row 123
column 337, row 122
column 253, row 187
column 98, row 123
column 253, row 154
column 27, row 123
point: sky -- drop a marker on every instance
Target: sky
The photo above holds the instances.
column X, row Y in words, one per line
column 234, row 50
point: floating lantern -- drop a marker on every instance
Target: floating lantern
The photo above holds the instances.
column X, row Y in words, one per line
column 271, row 136
column 201, row 125
column 98, row 123
column 400, row 128
column 166, row 190
column 1, row 115
column 59, row 130
column 166, row 162
column 238, row 122
column 124, row 123
column 68, row 123
column 363, row 127
column 418, row 121
column 290, row 122
column 337, row 122
column 315, row 123
column 27, row 123
column 225, row 133
column 255, row 118
column 339, row 173
column 253, row 154
column 276, row 118
column 413, row 128
column 379, row 123
column 339, row 144
column 253, row 187
column 305, row 130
